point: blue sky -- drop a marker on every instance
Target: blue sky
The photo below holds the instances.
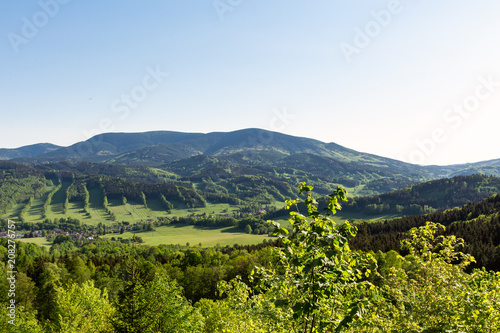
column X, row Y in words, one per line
column 417, row 81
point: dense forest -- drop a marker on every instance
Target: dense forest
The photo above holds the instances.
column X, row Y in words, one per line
column 429, row 197
column 19, row 183
column 477, row 223
column 311, row 278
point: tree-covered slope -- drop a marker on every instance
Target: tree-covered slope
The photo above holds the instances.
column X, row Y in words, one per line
column 429, row 196
column 19, row 183
column 477, row 223
column 278, row 157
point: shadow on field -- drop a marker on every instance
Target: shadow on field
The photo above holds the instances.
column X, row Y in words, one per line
column 200, row 227
column 234, row 230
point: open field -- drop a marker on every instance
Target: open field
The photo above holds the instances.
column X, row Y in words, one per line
column 34, row 214
column 340, row 217
column 41, row 241
column 182, row 234
column 220, row 208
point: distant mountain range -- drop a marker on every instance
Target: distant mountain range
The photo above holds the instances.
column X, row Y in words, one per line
column 207, row 155
column 27, row 151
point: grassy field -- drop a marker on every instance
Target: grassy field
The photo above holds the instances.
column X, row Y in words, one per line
column 340, row 217
column 182, row 234
column 221, row 208
column 41, row 241
column 34, row 214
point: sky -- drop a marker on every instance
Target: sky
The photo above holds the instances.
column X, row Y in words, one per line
column 417, row 81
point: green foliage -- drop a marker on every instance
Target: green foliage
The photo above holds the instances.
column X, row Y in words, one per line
column 424, row 244
column 153, row 305
column 430, row 294
column 238, row 311
column 168, row 310
column 166, row 204
column 50, row 279
column 316, row 265
column 82, row 308
column 78, row 270
column 25, row 322
column 428, row 197
column 48, row 201
column 62, row 238
column 143, row 200
column 18, row 184
column 477, row 223
column 66, row 205
column 86, row 199
column 25, row 209
column 310, row 282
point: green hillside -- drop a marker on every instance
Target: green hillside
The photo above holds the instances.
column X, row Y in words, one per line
column 428, row 197
column 27, row 151
column 221, row 157
column 478, row 223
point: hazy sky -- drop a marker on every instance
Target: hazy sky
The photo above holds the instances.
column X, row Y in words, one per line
column 413, row 80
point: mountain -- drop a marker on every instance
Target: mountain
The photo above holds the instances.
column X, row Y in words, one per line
column 157, row 148
column 27, row 151
column 255, row 152
column 137, row 148
column 104, row 146
column 491, row 167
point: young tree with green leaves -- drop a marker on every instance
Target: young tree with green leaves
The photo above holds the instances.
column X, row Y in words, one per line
column 317, row 268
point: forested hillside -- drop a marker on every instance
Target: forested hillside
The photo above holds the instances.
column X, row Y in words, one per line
column 19, row 183
column 27, row 151
column 477, row 223
column 429, row 197
column 252, row 151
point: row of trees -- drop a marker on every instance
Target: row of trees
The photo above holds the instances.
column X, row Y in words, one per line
column 48, row 201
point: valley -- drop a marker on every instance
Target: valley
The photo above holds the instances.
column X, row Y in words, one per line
column 196, row 209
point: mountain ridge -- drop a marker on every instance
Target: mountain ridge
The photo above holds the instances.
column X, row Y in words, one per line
column 251, row 147
column 27, row 151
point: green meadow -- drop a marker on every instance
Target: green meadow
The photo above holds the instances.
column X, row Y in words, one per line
column 183, row 234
